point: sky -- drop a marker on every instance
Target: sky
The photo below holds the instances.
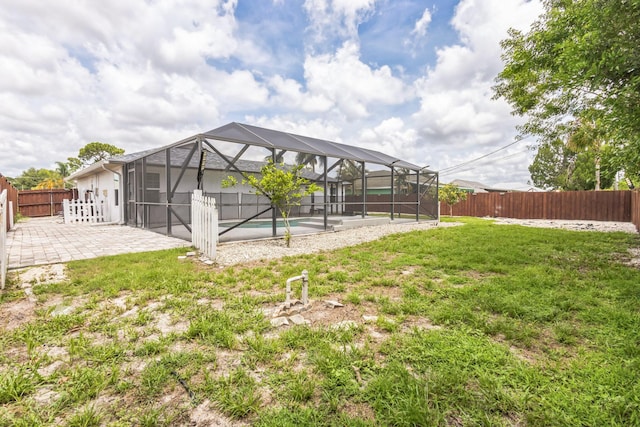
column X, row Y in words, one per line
column 410, row 78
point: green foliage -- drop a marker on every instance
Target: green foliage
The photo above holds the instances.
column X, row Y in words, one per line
column 32, row 178
column 95, row 151
column 577, row 65
column 283, row 185
column 39, row 179
column 88, row 417
column 306, row 159
column 451, row 194
column 16, row 384
column 558, row 167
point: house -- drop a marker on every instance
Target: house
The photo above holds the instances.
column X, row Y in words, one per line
column 152, row 189
column 477, row 187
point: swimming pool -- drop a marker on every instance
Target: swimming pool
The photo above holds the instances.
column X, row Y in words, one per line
column 259, row 223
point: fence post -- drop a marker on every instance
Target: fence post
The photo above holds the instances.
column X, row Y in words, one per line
column 66, row 209
column 3, row 238
column 11, row 224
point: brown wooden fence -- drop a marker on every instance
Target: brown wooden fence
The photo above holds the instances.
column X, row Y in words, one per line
column 403, row 204
column 635, row 209
column 12, row 196
column 568, row 205
column 36, row 203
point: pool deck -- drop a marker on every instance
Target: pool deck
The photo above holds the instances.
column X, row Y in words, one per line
column 48, row 240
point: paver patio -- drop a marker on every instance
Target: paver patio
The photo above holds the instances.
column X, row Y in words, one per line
column 49, row 240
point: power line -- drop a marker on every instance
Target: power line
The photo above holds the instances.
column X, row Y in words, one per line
column 451, row 168
column 491, row 161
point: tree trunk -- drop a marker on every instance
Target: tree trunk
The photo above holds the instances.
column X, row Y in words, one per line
column 597, row 172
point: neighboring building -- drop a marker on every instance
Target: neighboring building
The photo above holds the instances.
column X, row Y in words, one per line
column 102, row 182
column 477, row 187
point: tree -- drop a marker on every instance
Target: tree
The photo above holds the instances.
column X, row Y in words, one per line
column 552, row 165
column 73, row 163
column 95, row 151
column 451, row 194
column 348, row 171
column 284, row 187
column 401, row 180
column 307, row 159
column 559, row 166
column 31, row 178
column 578, row 64
column 51, row 180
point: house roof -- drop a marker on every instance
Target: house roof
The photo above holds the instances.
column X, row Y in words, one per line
column 478, row 187
column 178, row 157
column 278, row 140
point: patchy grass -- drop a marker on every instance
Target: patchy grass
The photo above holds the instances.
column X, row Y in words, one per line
column 472, row 325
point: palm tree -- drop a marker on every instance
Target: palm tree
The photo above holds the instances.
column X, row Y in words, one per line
column 279, row 157
column 401, row 181
column 52, row 180
column 309, row 160
column 349, row 172
column 63, row 169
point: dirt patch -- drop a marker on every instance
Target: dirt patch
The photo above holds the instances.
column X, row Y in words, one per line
column 601, row 226
column 14, row 314
column 359, row 411
column 40, row 275
column 635, row 258
column 204, row 415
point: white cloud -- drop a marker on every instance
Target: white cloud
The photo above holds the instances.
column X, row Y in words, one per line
column 391, row 137
column 457, row 116
column 420, row 29
column 131, row 74
column 353, row 87
column 337, row 18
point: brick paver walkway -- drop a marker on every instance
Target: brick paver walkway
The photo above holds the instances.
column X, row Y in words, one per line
column 37, row 241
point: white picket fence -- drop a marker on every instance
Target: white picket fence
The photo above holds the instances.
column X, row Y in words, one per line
column 4, row 261
column 79, row 211
column 204, row 223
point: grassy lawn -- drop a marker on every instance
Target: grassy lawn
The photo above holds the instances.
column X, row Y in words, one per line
column 480, row 324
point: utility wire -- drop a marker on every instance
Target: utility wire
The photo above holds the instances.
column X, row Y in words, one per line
column 483, row 164
column 451, row 168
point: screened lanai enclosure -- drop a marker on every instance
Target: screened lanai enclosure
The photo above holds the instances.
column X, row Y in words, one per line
column 357, row 184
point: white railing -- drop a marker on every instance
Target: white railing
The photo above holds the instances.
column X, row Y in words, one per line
column 78, row 211
column 4, row 261
column 204, row 223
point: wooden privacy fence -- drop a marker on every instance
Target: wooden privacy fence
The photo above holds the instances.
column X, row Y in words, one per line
column 567, row 205
column 12, row 201
column 204, row 223
column 36, row 203
column 79, row 211
column 4, row 207
column 635, row 209
column 384, row 203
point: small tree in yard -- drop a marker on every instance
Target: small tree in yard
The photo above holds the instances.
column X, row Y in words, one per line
column 451, row 195
column 284, row 187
